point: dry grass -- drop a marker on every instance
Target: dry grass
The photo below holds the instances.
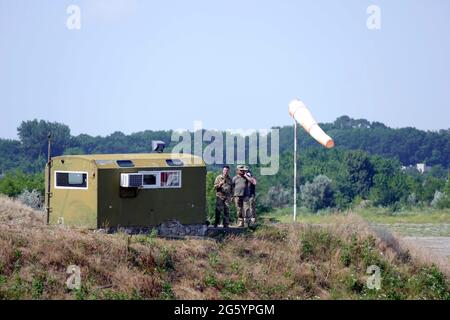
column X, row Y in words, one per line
column 291, row 261
column 14, row 212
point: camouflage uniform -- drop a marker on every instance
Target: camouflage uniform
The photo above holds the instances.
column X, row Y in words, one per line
column 240, row 187
column 223, row 198
column 251, row 213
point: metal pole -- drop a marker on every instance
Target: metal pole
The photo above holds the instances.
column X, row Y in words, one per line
column 295, row 170
column 49, row 169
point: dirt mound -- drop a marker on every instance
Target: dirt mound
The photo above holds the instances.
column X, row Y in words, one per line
column 292, row 261
column 14, row 212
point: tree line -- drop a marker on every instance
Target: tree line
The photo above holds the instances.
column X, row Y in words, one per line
column 366, row 165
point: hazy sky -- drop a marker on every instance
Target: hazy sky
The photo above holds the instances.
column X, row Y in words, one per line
column 137, row 65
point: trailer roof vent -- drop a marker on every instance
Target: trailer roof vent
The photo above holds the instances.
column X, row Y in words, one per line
column 174, row 162
column 125, row 163
column 104, row 162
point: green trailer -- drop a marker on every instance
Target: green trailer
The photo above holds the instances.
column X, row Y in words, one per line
column 126, row 190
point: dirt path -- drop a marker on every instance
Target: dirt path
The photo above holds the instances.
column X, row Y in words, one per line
column 431, row 238
column 439, row 246
column 419, row 229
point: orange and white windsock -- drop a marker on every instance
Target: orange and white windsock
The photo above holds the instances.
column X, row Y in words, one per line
column 301, row 114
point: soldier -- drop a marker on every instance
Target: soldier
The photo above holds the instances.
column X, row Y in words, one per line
column 224, row 191
column 241, row 192
column 251, row 213
column 240, row 188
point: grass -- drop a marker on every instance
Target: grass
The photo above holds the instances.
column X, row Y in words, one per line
column 375, row 215
column 274, row 261
column 416, row 216
column 419, row 230
column 409, row 222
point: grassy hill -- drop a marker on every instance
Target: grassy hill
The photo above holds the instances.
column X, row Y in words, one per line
column 275, row 261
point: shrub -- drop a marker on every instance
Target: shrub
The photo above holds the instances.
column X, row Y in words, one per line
column 319, row 194
column 437, row 199
column 14, row 183
column 412, row 200
column 277, row 197
column 32, row 199
column 441, row 200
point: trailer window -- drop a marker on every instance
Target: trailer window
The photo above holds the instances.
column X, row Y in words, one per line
column 150, row 179
column 70, row 180
column 170, row 179
column 161, row 179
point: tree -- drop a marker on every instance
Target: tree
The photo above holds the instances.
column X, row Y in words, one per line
column 360, row 173
column 319, row 194
column 444, row 201
column 390, row 184
column 10, row 155
column 86, row 143
column 33, row 137
column 343, row 122
column 430, row 186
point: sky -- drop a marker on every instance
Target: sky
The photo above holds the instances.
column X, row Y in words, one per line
column 139, row 65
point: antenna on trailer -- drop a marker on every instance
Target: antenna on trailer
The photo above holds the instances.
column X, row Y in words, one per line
column 158, row 146
column 49, row 167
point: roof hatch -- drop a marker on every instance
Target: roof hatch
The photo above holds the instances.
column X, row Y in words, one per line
column 125, row 163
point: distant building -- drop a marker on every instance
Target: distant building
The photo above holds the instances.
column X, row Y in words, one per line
column 419, row 167
column 422, row 167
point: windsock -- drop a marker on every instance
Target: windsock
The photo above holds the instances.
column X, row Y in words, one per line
column 301, row 114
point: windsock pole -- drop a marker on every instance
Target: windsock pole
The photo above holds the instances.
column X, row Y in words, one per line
column 300, row 113
column 295, row 170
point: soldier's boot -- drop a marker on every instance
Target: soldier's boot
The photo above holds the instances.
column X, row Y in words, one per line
column 252, row 221
column 217, row 220
column 241, row 223
column 226, row 222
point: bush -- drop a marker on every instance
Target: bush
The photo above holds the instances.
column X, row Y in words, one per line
column 277, row 197
column 411, row 200
column 437, row 199
column 319, row 194
column 32, row 199
column 443, row 200
column 364, row 204
column 14, row 183
column 440, row 200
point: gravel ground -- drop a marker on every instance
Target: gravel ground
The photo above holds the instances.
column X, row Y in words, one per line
column 419, row 230
column 432, row 237
column 439, row 246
